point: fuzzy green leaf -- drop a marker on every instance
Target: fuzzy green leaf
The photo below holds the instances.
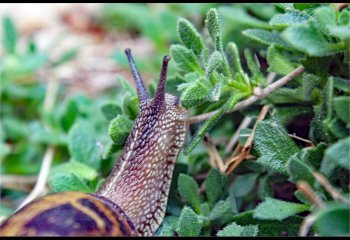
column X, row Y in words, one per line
column 67, row 182
column 81, row 170
column 279, row 61
column 130, row 105
column 220, row 209
column 274, row 209
column 284, row 20
column 299, row 170
column 254, row 67
column 188, row 189
column 269, row 228
column 82, row 144
column 339, row 153
column 189, row 223
column 266, row 37
column 214, row 185
column 234, row 229
column 185, row 59
column 119, row 129
column 333, row 220
column 342, row 108
column 189, row 36
column 195, row 94
column 213, row 25
column 273, row 145
column 244, row 184
column 215, row 61
column 309, row 39
column 310, row 82
column 342, row 84
column 233, row 58
column 110, row 110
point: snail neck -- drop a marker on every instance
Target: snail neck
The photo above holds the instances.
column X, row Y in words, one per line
column 140, row 182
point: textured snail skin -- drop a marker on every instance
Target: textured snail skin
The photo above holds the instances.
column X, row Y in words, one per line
column 133, row 200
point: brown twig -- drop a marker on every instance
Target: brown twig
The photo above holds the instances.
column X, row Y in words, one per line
column 18, row 182
column 247, row 146
column 249, row 101
column 214, row 156
column 306, row 225
column 301, row 139
column 329, row 188
column 309, row 193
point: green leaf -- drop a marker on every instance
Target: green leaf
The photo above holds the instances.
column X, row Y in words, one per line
column 69, row 114
column 68, row 182
column 233, row 229
column 341, row 84
column 80, row 169
column 189, row 223
column 299, row 170
column 342, row 108
column 233, row 58
column 273, row 145
column 215, row 61
column 337, row 127
column 220, row 209
column 274, row 209
column 110, row 110
column 9, row 34
column 67, row 56
column 309, row 39
column 214, row 185
column 213, row 25
column 326, row 18
column 195, row 94
column 244, row 184
column 310, row 82
column 266, row 37
column 333, row 220
column 119, row 129
column 189, row 36
column 270, row 228
column 254, row 67
column 130, row 105
column 314, row 155
column 265, row 190
column 185, row 59
column 284, row 20
column 188, row 189
column 338, row 153
column 279, row 61
column 82, row 144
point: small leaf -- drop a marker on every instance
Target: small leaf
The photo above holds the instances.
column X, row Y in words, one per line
column 309, row 39
column 188, row 188
column 244, row 184
column 342, row 108
column 69, row 114
column 189, row 36
column 81, row 170
column 266, row 37
column 341, row 84
column 119, row 129
column 265, row 190
column 185, row 59
column 232, row 229
column 279, row 61
column 110, row 110
column 189, row 223
column 82, row 144
column 215, row 61
column 213, row 25
column 195, row 94
column 220, row 209
column 214, row 185
column 284, row 20
column 9, row 34
column 130, row 105
column 67, row 56
column 68, row 182
column 310, row 82
column 274, row 209
column 300, row 170
column 233, row 58
column 333, row 220
column 273, row 145
column 338, row 153
column 254, row 67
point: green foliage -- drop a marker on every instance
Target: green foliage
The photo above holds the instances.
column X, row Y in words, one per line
column 274, row 209
column 236, row 230
column 189, row 224
column 119, row 129
column 188, row 188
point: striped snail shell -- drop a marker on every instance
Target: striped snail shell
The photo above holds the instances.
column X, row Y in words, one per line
column 133, row 200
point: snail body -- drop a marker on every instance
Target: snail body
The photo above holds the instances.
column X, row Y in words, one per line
column 132, row 201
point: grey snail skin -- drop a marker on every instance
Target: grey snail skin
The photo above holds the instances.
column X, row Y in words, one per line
column 133, row 200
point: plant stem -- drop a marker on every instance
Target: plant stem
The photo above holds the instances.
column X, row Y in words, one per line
column 249, row 101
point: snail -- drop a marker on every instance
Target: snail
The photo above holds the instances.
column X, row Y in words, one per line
column 133, row 199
